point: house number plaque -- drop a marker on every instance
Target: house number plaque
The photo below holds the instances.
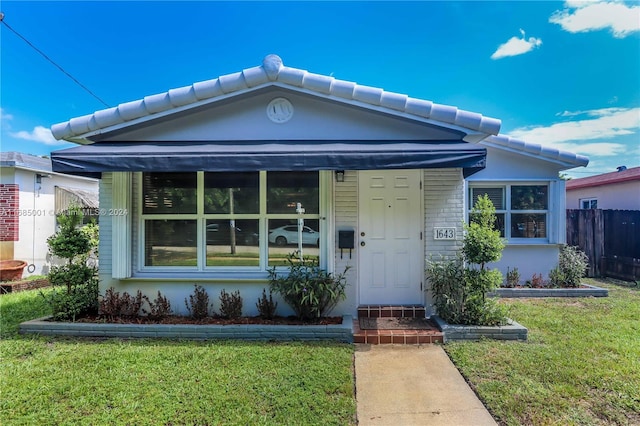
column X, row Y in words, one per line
column 444, row 233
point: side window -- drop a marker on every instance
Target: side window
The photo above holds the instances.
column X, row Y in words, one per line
column 588, row 203
column 529, row 204
column 522, row 210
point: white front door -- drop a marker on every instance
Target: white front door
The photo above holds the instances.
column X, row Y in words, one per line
column 391, row 251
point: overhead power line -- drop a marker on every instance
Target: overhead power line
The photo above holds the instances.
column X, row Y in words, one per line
column 51, row 60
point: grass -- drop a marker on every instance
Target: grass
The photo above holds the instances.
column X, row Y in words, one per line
column 46, row 380
column 581, row 365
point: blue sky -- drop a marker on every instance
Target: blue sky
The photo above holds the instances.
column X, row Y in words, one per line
column 562, row 74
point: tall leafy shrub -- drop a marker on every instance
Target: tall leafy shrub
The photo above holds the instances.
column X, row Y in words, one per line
column 460, row 286
column 572, row 266
column 308, row 289
column 75, row 283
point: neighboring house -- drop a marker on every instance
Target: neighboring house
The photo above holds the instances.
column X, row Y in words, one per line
column 609, row 191
column 255, row 151
column 30, row 196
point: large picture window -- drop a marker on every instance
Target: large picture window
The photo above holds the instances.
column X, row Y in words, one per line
column 208, row 221
column 522, row 210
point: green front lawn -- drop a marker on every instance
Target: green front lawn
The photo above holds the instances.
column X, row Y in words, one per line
column 113, row 381
column 581, row 365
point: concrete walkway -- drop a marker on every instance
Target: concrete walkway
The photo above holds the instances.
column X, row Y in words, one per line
column 404, row 385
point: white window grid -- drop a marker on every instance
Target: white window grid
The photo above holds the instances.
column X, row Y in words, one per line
column 508, row 211
column 200, row 217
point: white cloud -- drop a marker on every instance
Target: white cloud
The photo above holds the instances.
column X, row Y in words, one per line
column 596, row 112
column 4, row 116
column 600, row 149
column 516, row 46
column 38, row 134
column 579, row 16
column 598, row 124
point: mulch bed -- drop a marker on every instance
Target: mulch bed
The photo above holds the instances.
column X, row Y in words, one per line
column 208, row 321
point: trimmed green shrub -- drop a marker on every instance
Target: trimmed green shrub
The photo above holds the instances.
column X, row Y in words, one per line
column 75, row 284
column 482, row 242
column 572, row 266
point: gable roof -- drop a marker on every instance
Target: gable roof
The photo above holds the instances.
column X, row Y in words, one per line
column 605, row 179
column 272, row 72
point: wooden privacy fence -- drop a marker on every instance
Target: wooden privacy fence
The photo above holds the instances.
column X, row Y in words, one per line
column 611, row 240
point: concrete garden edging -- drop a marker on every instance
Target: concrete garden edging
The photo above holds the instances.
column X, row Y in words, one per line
column 586, row 291
column 22, row 285
column 339, row 332
column 456, row 332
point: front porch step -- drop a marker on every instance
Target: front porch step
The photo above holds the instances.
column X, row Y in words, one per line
column 427, row 334
column 382, row 311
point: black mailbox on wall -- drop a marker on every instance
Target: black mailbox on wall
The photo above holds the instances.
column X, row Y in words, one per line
column 346, row 240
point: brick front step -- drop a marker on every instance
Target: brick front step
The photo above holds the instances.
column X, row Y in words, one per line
column 427, row 335
column 382, row 311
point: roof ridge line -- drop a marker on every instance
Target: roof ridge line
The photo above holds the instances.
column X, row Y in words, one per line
column 272, row 70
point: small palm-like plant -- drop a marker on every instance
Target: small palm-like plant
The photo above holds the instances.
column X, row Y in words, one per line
column 311, row 291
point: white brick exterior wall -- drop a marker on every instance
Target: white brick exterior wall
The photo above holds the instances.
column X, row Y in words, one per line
column 444, row 204
column 444, row 201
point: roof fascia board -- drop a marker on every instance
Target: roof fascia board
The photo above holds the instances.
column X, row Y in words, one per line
column 49, row 172
column 18, row 166
column 383, row 110
column 12, row 164
column 562, row 158
column 93, row 136
column 579, row 185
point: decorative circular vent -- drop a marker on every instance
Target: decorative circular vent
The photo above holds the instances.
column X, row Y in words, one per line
column 280, row 110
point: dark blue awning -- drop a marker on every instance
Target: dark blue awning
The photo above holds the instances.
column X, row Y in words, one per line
column 292, row 155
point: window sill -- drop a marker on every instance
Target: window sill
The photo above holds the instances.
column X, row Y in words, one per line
column 531, row 242
column 197, row 276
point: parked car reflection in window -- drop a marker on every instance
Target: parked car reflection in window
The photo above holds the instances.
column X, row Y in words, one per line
column 288, row 235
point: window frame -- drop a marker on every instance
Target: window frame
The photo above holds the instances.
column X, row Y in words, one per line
column 324, row 180
column 590, row 200
column 508, row 211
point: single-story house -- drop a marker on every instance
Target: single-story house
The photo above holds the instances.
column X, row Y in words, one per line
column 31, row 194
column 618, row 190
column 206, row 184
